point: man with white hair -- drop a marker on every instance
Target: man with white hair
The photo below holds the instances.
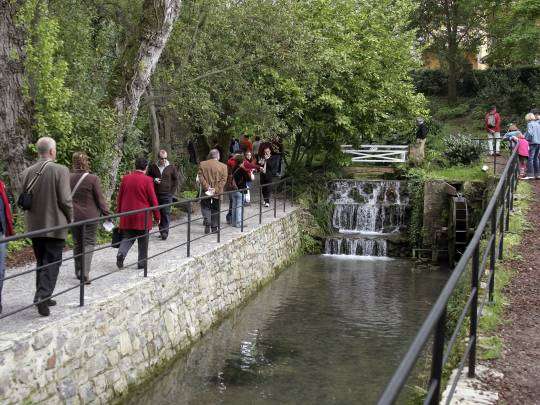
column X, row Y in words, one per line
column 165, row 178
column 48, row 184
column 212, row 177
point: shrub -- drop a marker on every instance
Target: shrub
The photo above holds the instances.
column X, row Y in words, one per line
column 451, row 112
column 462, row 149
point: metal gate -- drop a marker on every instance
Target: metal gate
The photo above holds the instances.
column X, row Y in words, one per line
column 377, row 153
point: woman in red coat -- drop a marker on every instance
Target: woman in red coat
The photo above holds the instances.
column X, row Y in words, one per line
column 6, row 229
column 136, row 192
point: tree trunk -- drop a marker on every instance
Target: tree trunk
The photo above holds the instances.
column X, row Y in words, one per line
column 153, row 123
column 156, row 26
column 452, row 73
column 15, row 109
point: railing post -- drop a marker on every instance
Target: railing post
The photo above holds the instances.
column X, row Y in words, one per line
column 275, row 200
column 437, row 358
column 473, row 327
column 285, row 195
column 502, row 203
column 146, row 236
column 83, row 267
column 260, row 203
column 188, row 242
column 218, row 220
column 242, row 214
column 493, row 250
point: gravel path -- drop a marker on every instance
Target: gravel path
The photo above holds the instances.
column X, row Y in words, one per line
column 19, row 292
column 520, row 361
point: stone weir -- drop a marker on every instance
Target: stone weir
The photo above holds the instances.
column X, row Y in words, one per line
column 97, row 351
column 369, row 218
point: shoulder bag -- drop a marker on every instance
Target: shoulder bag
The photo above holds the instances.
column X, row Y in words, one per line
column 78, row 184
column 25, row 199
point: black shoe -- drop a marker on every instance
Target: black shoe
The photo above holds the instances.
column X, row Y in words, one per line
column 50, row 302
column 43, row 309
column 214, row 230
column 163, row 237
column 87, row 281
column 119, row 261
column 77, row 276
column 206, row 229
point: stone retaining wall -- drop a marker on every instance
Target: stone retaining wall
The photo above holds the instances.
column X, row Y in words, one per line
column 93, row 356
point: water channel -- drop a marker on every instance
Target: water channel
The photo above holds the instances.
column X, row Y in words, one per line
column 328, row 330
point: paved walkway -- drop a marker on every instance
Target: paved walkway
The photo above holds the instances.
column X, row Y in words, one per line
column 19, row 292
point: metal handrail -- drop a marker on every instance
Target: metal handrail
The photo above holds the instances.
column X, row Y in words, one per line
column 286, row 182
column 496, row 222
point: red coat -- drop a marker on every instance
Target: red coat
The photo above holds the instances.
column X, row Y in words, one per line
column 136, row 192
column 497, row 127
column 7, row 212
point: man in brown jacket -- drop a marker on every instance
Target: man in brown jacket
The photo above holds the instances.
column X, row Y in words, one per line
column 165, row 178
column 51, row 206
column 212, row 177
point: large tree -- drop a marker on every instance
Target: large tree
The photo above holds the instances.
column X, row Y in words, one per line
column 451, row 29
column 15, row 108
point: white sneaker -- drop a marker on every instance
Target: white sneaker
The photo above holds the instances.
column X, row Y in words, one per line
column 527, row 178
column 266, row 205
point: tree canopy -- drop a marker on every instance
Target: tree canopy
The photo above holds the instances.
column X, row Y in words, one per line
column 113, row 78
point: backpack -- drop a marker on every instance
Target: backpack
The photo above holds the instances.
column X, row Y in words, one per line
column 491, row 121
column 231, row 185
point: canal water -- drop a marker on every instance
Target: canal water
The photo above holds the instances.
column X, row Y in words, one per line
column 328, row 330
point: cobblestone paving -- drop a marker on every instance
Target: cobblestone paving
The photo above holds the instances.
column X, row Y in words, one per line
column 19, row 292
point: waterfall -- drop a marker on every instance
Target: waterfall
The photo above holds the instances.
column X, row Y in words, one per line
column 366, row 214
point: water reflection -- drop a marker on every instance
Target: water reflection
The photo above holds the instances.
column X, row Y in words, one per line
column 327, row 330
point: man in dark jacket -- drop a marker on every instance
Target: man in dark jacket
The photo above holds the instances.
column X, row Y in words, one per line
column 165, row 177
column 51, row 207
column 421, row 134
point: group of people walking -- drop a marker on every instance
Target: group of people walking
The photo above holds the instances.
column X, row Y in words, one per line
column 527, row 141
column 52, row 196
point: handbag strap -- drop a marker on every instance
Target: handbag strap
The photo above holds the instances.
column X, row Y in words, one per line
column 78, row 184
column 34, row 180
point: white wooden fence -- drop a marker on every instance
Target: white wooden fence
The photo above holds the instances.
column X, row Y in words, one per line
column 377, row 153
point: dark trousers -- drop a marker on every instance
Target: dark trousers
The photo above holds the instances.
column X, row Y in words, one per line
column 165, row 214
column 266, row 178
column 210, row 212
column 128, row 241
column 47, row 250
column 89, row 243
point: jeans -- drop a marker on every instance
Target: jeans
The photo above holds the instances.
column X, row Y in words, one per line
column 533, row 165
column 237, row 203
column 89, row 244
column 210, row 212
column 128, row 241
column 47, row 250
column 3, row 253
column 165, row 214
column 494, row 137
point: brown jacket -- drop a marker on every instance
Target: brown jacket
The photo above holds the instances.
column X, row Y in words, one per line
column 51, row 201
column 169, row 179
column 212, row 174
column 88, row 200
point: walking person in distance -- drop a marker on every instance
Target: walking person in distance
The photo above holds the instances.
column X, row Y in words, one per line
column 493, row 128
column 136, row 192
column 6, row 229
column 165, row 178
column 48, row 185
column 212, row 177
column 88, row 203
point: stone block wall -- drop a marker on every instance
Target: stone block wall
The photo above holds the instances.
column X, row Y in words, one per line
column 93, row 356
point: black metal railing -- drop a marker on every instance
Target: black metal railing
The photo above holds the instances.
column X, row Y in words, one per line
column 283, row 187
column 489, row 236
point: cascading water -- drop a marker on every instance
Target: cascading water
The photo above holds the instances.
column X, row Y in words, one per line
column 366, row 215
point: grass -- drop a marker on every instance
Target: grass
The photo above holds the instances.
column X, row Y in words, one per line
column 458, row 173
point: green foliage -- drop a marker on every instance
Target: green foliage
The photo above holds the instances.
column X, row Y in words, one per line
column 462, row 149
column 46, row 70
column 514, row 33
column 454, row 111
column 415, row 183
